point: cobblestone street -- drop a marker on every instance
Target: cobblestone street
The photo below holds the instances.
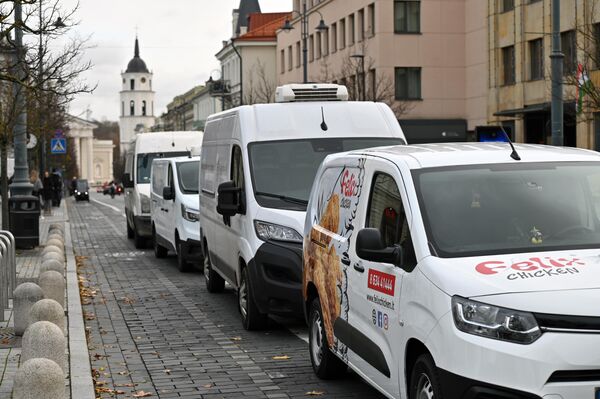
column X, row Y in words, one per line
column 155, row 330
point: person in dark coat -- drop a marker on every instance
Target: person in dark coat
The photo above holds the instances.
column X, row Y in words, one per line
column 56, row 187
column 47, row 192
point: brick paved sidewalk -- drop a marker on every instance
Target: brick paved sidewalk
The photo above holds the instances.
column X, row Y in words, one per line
column 28, row 269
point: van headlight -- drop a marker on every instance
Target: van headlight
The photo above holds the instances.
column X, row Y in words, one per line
column 269, row 231
column 145, row 203
column 189, row 214
column 494, row 322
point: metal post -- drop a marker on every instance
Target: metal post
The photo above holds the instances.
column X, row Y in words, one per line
column 557, row 76
column 241, row 73
column 304, row 34
column 41, row 141
column 364, row 78
column 20, row 184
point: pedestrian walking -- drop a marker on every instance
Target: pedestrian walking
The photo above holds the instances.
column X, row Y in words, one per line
column 47, row 193
column 56, row 187
column 34, row 178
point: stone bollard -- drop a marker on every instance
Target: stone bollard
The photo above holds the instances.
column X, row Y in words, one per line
column 39, row 379
column 53, row 285
column 52, row 248
column 52, row 264
column 48, row 310
column 53, row 255
column 44, row 339
column 57, row 226
column 25, row 296
column 55, row 242
column 55, row 232
column 56, row 236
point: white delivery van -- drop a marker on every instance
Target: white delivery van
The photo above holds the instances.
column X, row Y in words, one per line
column 457, row 271
column 174, row 209
column 144, row 149
column 258, row 166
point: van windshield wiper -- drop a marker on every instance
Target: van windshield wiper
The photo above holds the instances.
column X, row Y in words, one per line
column 283, row 198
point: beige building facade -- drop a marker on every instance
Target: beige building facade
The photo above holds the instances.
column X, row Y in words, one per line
column 94, row 157
column 426, row 58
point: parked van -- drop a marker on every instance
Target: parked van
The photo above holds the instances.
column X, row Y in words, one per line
column 258, row 166
column 145, row 148
column 174, row 209
column 457, row 270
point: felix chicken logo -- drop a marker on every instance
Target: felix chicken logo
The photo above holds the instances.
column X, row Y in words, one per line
column 531, row 268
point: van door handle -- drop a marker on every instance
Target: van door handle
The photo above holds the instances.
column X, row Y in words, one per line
column 359, row 268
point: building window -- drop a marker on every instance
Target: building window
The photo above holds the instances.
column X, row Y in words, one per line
column 361, row 25
column 408, row 83
column 567, row 43
column 318, row 45
column 508, row 65
column 311, row 48
column 352, row 30
column 407, row 16
column 536, row 59
column 290, row 58
column 132, row 84
column 298, row 54
column 342, row 34
column 533, row 1
column 371, row 12
column 507, row 5
column 333, row 38
column 596, row 42
column 144, row 107
column 282, row 61
column 131, row 108
column 122, row 108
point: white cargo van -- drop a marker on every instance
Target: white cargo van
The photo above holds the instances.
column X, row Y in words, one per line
column 258, row 166
column 175, row 210
column 457, row 270
column 145, row 148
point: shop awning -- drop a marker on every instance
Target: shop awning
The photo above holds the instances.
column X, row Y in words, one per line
column 525, row 110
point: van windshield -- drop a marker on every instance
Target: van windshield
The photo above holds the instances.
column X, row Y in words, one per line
column 188, row 173
column 283, row 171
column 144, row 163
column 510, row 208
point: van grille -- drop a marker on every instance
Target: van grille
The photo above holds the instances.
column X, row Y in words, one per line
column 568, row 324
column 575, row 376
column 319, row 94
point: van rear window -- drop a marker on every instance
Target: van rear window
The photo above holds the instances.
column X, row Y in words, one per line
column 188, row 173
column 144, row 163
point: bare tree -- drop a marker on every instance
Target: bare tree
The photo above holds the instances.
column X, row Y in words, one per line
column 261, row 88
column 45, row 73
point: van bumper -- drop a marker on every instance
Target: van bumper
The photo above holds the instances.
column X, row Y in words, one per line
column 143, row 225
column 192, row 250
column 276, row 278
column 458, row 387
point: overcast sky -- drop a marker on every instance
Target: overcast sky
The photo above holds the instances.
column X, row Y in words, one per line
column 178, row 41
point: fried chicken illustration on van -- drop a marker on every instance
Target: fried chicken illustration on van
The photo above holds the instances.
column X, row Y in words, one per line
column 324, row 268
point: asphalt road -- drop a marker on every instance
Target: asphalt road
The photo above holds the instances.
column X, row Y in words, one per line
column 156, row 330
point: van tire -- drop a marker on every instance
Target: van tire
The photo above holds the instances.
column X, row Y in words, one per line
column 130, row 233
column 325, row 363
column 252, row 318
column 159, row 250
column 214, row 282
column 424, row 377
column 138, row 240
column 182, row 264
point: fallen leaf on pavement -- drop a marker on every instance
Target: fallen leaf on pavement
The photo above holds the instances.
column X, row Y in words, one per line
column 315, row 393
column 236, row 338
column 207, row 385
column 283, row 357
column 141, row 394
column 168, row 371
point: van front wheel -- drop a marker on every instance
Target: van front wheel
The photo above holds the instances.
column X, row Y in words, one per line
column 214, row 282
column 325, row 364
column 424, row 380
column 252, row 318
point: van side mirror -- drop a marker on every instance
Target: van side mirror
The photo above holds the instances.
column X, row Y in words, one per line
column 127, row 181
column 168, row 193
column 369, row 246
column 229, row 201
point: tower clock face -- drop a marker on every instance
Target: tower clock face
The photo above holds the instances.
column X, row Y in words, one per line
column 143, row 80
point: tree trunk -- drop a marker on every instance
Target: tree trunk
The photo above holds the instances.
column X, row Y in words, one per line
column 4, row 184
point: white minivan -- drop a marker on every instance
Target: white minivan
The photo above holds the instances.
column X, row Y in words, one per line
column 174, row 209
column 457, row 270
column 258, row 166
column 136, row 180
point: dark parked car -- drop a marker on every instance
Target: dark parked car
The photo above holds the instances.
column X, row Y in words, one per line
column 82, row 190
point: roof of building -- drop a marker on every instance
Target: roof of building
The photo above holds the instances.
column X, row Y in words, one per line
column 264, row 26
column 136, row 65
column 246, row 8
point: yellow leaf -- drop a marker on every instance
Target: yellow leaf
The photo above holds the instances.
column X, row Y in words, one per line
column 283, row 357
column 315, row 393
column 141, row 394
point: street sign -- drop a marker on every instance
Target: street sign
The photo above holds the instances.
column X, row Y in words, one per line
column 58, row 146
column 31, row 141
column 59, row 133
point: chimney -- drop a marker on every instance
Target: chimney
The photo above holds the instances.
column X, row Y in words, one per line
column 235, row 18
column 243, row 30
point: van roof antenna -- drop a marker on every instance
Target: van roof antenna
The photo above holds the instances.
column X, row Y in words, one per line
column 514, row 154
column 324, row 126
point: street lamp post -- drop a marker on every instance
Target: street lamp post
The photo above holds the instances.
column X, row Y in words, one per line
column 363, row 91
column 287, row 26
column 557, row 75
